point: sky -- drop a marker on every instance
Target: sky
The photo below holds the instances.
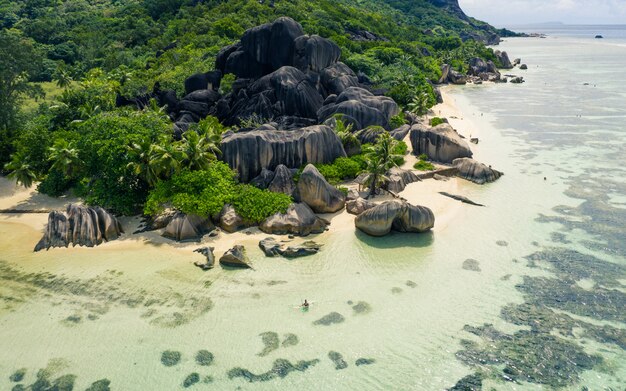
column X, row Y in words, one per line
column 503, row 13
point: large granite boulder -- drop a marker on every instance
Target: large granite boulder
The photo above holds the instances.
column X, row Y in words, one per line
column 183, row 227
column 338, row 77
column 316, row 192
column 236, row 257
column 230, row 220
column 395, row 215
column 476, row 172
column 361, row 108
column 503, row 57
column 400, row 133
column 398, row 179
column 203, row 81
column 485, row 70
column 449, row 75
column 299, row 219
column 314, row 53
column 283, row 181
column 440, row 143
column 370, row 134
column 80, row 225
column 358, row 206
column 250, row 152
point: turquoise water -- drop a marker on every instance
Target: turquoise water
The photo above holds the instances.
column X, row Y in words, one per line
column 541, row 304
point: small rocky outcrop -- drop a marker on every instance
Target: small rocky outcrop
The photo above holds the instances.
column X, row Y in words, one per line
column 360, row 107
column 235, row 257
column 273, row 248
column 183, row 227
column 503, row 57
column 395, row 215
column 401, row 132
column 476, row 172
column 299, row 219
column 461, row 198
column 209, row 263
column 358, row 206
column 251, row 152
column 283, row 181
column 483, row 70
column 353, row 194
column 440, row 143
column 399, row 179
column 449, row 75
column 79, row 225
column 523, row 67
column 320, row 195
column 230, row 221
column 517, row 80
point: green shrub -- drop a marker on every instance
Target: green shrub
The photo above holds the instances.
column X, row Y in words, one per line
column 423, row 165
column 341, row 169
column 226, row 85
column 54, row 184
column 423, row 157
column 436, row 121
column 255, row 205
column 397, row 120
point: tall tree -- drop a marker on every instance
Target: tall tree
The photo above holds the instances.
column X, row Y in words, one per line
column 64, row 157
column 19, row 61
column 380, row 158
column 20, row 170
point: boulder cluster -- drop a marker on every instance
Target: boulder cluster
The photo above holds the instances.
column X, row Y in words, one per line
column 396, row 215
column 480, row 70
column 79, row 225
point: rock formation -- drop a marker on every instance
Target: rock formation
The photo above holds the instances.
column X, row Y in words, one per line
column 272, row 248
column 208, row 254
column 358, row 206
column 320, row 195
column 399, row 179
column 397, row 215
column 235, row 257
column 230, row 220
column 299, row 219
column 440, row 143
column 503, row 57
column 360, row 107
column 184, row 227
column 79, row 225
column 250, row 152
column 485, row 70
column 476, row 172
column 282, row 181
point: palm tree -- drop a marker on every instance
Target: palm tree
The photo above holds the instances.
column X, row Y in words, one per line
column 166, row 158
column 419, row 104
column 64, row 157
column 197, row 151
column 380, row 158
column 143, row 164
column 62, row 76
column 20, row 170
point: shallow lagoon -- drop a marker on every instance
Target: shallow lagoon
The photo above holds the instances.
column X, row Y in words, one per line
column 541, row 303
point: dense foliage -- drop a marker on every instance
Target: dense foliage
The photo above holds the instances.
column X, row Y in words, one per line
column 93, row 51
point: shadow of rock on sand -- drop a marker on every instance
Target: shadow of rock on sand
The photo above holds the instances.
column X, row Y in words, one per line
column 397, row 239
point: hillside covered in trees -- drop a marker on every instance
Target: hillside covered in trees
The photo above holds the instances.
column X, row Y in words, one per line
column 99, row 132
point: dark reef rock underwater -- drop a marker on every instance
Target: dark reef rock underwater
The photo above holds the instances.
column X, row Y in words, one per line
column 79, row 225
column 395, row 215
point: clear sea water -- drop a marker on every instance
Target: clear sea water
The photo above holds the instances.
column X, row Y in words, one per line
column 541, row 303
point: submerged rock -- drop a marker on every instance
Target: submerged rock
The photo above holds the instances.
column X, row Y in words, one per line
column 299, row 219
column 316, row 192
column 235, row 257
column 281, row 369
column 364, row 361
column 272, row 248
column 210, row 258
column 463, row 199
column 100, row 385
column 397, row 215
column 79, row 225
column 271, row 342
column 338, row 360
column 474, row 171
column 169, row 358
column 327, row 320
column 184, row 227
column 204, row 358
column 440, row 143
column 472, row 382
column 191, row 379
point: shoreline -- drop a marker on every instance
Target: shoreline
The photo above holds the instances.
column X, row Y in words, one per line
column 425, row 193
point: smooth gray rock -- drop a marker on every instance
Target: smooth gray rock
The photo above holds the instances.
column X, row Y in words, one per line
column 399, row 179
column 250, row 152
column 358, row 206
column 283, row 181
column 352, row 195
column 270, row 247
column 441, row 143
column 476, row 172
column 370, row 134
column 463, row 199
column 299, row 219
column 183, row 227
column 397, row 215
column 361, row 108
column 235, row 257
column 523, row 67
column 338, row 77
column 320, row 195
column 401, row 132
column 208, row 254
column 263, row 180
column 314, row 53
column 230, row 221
column 503, row 57
column 80, row 225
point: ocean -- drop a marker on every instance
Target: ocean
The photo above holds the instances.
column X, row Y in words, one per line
column 526, row 293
